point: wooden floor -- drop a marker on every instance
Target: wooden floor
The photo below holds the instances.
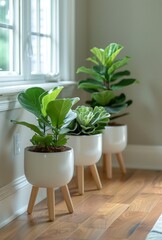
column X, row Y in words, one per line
column 125, row 208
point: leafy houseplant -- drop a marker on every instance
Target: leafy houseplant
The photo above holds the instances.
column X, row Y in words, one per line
column 89, row 121
column 85, row 137
column 53, row 117
column 49, row 163
column 106, row 78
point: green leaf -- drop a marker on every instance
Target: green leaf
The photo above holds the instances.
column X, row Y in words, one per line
column 99, row 53
column 116, row 109
column 103, row 98
column 118, row 75
column 93, row 60
column 111, row 53
column 42, row 140
column 30, row 100
column 118, row 64
column 31, row 126
column 52, row 95
column 91, row 72
column 112, row 48
column 61, row 141
column 58, row 110
column 91, row 85
column 123, row 83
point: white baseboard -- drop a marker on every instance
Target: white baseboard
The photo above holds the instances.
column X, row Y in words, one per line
column 142, row 157
column 14, row 199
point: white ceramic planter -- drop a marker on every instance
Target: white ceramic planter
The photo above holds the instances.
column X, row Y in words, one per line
column 49, row 169
column 87, row 149
column 114, row 139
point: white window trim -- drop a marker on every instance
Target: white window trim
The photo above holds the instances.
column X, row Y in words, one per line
column 67, row 56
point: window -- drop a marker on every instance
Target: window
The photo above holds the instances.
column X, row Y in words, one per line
column 36, row 40
column 8, row 38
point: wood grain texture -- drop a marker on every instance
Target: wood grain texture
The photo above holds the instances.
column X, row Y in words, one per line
column 126, row 208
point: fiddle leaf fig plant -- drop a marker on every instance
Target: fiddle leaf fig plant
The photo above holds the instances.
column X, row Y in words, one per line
column 106, row 78
column 52, row 116
column 89, row 121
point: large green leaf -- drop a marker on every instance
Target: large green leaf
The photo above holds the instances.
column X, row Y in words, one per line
column 112, row 48
column 30, row 100
column 91, row 85
column 99, row 53
column 103, row 98
column 116, row 109
column 52, row 95
column 31, row 126
column 57, row 111
column 42, row 140
column 111, row 52
column 118, row 75
column 123, row 83
column 118, row 64
column 91, row 72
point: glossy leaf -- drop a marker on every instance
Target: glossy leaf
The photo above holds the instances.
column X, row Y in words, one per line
column 91, row 72
column 42, row 140
column 118, row 75
column 118, row 64
column 103, row 98
column 91, row 85
column 52, row 95
column 123, row 83
column 29, row 125
column 58, row 110
column 29, row 100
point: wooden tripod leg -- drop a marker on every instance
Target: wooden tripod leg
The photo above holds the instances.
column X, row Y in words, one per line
column 95, row 175
column 32, row 199
column 80, row 177
column 108, row 165
column 120, row 159
column 67, row 198
column 51, row 203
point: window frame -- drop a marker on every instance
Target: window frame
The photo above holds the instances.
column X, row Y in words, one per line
column 66, row 28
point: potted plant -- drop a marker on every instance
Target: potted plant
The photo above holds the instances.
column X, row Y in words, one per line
column 85, row 137
column 104, row 82
column 48, row 163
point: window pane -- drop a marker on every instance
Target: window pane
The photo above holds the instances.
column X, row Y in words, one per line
column 41, row 36
column 45, row 16
column 6, row 50
column 41, row 58
column 45, row 55
column 6, row 13
column 35, row 56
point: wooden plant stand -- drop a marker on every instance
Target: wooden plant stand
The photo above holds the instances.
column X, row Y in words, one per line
column 107, row 163
column 50, row 200
column 80, row 177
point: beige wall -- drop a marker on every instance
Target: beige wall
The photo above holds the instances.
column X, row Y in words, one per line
column 11, row 162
